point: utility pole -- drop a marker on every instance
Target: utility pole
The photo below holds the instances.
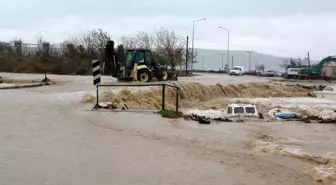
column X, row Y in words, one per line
column 308, row 59
column 187, row 53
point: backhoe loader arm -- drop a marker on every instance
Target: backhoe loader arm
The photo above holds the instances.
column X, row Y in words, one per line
column 317, row 69
column 112, row 63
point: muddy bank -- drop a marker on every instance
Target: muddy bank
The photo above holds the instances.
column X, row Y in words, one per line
column 193, row 94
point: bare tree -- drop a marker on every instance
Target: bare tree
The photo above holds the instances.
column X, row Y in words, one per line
column 97, row 40
column 93, row 42
column 141, row 40
column 291, row 63
column 39, row 39
column 260, row 67
column 128, row 42
column 169, row 46
column 144, row 40
column 285, row 62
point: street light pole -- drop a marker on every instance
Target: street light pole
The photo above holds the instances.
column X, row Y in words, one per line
column 228, row 46
column 232, row 62
column 193, row 39
column 222, row 60
column 192, row 47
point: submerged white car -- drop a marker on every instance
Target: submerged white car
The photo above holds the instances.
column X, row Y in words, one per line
column 329, row 92
column 242, row 110
column 237, row 70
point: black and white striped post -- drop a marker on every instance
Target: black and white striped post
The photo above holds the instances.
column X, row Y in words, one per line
column 96, row 77
column 96, row 72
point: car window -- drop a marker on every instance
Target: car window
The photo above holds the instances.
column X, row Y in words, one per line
column 139, row 57
column 239, row 110
column 229, row 110
column 329, row 89
column 148, row 58
column 250, row 110
column 129, row 58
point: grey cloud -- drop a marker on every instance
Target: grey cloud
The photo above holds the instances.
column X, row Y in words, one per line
column 37, row 10
column 286, row 27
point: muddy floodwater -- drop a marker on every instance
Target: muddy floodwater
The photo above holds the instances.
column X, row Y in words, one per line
column 49, row 136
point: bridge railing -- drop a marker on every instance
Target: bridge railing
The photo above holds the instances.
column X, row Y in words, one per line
column 163, row 97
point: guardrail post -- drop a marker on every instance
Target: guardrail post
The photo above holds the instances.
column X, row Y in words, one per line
column 163, row 96
column 97, row 94
column 177, row 99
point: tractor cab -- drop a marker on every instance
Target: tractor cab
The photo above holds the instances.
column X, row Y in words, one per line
column 138, row 56
column 146, row 68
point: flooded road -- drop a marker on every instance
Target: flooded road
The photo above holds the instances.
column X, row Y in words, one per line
column 49, row 137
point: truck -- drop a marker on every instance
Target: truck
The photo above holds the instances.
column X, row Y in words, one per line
column 293, row 72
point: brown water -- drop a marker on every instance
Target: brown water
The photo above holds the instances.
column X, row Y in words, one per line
column 193, row 94
column 49, row 137
column 313, row 144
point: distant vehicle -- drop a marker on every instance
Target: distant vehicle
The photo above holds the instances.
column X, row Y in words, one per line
column 280, row 74
column 293, row 72
column 270, row 73
column 237, row 70
column 329, row 92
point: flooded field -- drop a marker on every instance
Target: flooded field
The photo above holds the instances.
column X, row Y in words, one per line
column 49, row 136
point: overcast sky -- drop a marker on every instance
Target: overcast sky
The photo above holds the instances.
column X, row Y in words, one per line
column 278, row 27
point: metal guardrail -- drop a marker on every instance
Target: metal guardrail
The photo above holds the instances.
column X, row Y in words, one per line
column 142, row 85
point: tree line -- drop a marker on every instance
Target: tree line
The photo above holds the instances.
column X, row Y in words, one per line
column 77, row 53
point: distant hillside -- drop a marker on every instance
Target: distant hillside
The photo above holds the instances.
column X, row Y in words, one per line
column 212, row 59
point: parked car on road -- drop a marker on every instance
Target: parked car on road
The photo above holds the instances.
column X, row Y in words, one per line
column 280, row 74
column 237, row 70
column 269, row 73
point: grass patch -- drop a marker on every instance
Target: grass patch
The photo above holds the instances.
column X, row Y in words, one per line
column 170, row 114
